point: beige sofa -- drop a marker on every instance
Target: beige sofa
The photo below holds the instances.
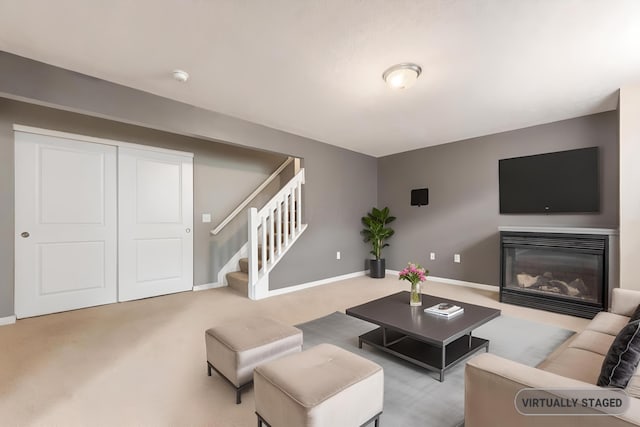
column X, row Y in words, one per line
column 491, row 382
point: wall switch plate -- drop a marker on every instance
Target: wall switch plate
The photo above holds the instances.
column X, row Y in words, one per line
column 206, row 217
column 338, row 255
column 456, row 257
column 432, row 256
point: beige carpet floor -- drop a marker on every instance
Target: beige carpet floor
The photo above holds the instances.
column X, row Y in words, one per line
column 143, row 362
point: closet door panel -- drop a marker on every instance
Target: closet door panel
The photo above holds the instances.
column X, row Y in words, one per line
column 65, row 224
column 156, row 221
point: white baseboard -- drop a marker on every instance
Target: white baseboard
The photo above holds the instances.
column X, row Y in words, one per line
column 9, row 320
column 456, row 282
column 315, row 283
column 206, row 286
column 464, row 283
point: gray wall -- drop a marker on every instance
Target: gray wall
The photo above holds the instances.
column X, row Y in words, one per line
column 462, row 216
column 341, row 184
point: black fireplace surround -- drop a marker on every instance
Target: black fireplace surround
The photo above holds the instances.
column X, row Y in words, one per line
column 563, row 273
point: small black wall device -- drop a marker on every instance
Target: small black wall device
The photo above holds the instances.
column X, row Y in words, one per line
column 420, row 197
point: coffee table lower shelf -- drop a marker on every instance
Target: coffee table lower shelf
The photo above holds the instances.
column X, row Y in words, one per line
column 429, row 356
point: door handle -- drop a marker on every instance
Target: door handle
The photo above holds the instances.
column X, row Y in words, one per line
column 188, row 230
column 25, row 234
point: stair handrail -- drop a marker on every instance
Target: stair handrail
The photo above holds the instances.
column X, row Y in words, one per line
column 251, row 196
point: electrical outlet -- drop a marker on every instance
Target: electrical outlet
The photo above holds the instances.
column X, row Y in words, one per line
column 456, row 258
column 338, row 255
column 432, row 256
column 206, row 217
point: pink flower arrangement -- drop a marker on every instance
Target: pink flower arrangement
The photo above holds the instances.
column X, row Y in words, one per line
column 414, row 273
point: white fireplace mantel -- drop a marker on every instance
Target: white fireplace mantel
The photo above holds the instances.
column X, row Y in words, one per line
column 568, row 230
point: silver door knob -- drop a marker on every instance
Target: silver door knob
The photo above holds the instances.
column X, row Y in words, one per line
column 24, row 234
column 188, row 230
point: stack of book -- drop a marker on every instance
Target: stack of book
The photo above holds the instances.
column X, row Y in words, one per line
column 445, row 309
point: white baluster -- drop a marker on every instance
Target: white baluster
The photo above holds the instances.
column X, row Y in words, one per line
column 285, row 219
column 272, row 238
column 279, row 226
column 292, row 216
column 264, row 243
column 299, row 207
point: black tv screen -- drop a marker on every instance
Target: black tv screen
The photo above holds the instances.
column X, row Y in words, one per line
column 562, row 182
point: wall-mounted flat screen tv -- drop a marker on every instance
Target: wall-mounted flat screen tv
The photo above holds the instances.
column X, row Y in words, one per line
column 561, row 182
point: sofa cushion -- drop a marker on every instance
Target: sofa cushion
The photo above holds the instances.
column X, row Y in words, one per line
column 622, row 359
column 594, row 341
column 576, row 363
column 608, row 323
column 636, row 314
column 624, row 301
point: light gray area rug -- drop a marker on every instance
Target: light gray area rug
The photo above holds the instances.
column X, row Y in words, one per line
column 413, row 397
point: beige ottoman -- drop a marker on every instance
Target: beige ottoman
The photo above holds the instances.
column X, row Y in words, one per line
column 235, row 349
column 323, row 386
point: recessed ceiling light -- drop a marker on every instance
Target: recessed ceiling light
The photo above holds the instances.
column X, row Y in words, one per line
column 402, row 76
column 180, row 75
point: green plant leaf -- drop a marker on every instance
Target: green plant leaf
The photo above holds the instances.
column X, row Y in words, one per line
column 375, row 230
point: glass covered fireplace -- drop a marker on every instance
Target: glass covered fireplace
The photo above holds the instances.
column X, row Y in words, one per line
column 565, row 273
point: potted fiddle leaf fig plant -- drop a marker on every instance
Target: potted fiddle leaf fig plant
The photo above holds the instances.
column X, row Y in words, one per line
column 377, row 232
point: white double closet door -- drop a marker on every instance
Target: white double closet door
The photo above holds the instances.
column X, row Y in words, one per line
column 98, row 222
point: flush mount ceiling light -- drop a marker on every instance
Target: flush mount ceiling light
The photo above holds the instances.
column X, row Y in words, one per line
column 180, row 75
column 402, row 76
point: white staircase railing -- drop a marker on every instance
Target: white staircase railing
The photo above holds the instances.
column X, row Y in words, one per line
column 272, row 231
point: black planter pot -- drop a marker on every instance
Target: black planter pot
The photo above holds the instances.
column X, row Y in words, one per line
column 376, row 268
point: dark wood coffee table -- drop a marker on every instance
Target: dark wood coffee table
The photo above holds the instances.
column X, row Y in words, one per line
column 427, row 340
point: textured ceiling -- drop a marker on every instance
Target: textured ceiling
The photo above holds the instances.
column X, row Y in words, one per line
column 313, row 67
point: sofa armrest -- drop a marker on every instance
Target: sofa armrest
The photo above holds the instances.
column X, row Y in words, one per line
column 624, row 301
column 491, row 384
